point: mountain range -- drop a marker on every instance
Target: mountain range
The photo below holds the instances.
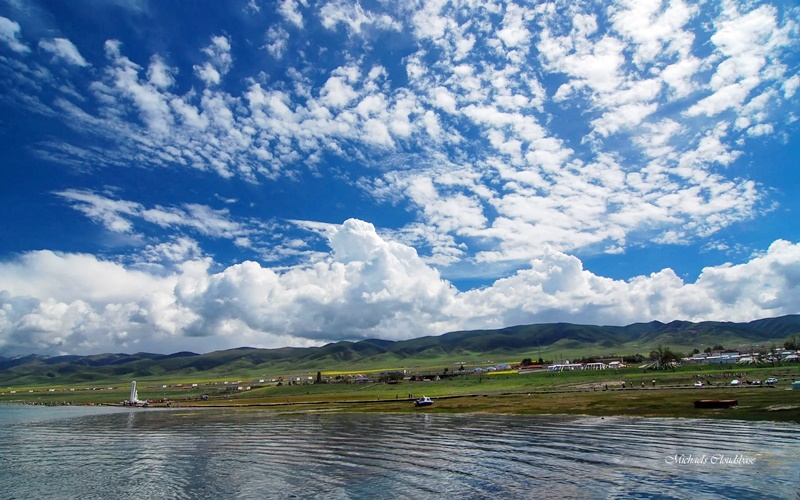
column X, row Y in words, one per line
column 473, row 347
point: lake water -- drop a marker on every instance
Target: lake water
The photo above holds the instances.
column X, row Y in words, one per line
column 89, row 452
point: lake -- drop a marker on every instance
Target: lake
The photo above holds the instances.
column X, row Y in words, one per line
column 93, row 452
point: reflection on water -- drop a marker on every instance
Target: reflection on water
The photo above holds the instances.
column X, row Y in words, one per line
column 107, row 453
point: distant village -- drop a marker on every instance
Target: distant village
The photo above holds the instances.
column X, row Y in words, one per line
column 711, row 356
column 729, row 356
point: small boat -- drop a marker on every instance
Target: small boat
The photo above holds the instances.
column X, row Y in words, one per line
column 423, row 401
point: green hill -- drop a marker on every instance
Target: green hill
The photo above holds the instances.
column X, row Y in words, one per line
column 507, row 343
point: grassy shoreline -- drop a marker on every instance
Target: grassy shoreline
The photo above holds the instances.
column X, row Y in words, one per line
column 754, row 404
column 628, row 392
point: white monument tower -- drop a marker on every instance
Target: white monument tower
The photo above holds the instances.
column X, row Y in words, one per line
column 134, row 399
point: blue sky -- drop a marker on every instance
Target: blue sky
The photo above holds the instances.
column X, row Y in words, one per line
column 205, row 175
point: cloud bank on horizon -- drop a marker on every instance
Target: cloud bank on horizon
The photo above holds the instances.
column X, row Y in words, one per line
column 205, row 176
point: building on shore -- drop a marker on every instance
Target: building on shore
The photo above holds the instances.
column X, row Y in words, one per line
column 564, row 366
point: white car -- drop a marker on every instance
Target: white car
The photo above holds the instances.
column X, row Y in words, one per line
column 771, row 381
column 698, row 384
column 735, row 382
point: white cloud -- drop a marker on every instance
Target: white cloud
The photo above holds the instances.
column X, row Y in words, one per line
column 177, row 250
column 376, row 132
column 656, row 29
column 253, row 6
column 189, row 114
column 556, row 287
column 203, row 219
column 63, row 307
column 593, row 64
column 337, row 93
column 730, row 96
column 679, row 75
column 749, row 44
column 761, row 129
column 452, row 213
column 428, row 21
column 73, row 277
column 590, row 127
column 219, row 63
column 290, row 10
column 371, row 105
column 463, row 47
column 367, row 287
column 790, row 86
column 277, row 41
column 63, row 49
column 443, row 99
column 208, row 73
column 113, row 214
column 119, row 215
column 514, row 32
column 9, row 34
column 124, row 82
column 159, row 74
column 432, row 125
column 354, row 18
column 624, row 116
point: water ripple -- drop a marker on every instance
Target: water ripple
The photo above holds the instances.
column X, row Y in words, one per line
column 91, row 453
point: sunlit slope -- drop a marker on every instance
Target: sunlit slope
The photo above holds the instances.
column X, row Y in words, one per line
column 507, row 344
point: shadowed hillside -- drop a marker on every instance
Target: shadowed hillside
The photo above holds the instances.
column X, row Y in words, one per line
column 483, row 344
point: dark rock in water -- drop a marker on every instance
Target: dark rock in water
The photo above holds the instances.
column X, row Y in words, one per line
column 716, row 403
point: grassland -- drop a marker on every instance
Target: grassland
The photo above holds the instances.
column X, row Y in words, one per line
column 598, row 393
column 555, row 341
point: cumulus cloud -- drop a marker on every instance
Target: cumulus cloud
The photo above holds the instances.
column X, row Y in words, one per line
column 393, row 290
column 507, row 134
column 367, row 287
column 65, row 308
column 556, row 287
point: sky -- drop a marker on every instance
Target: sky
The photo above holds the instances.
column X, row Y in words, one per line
column 203, row 175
